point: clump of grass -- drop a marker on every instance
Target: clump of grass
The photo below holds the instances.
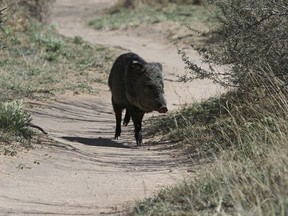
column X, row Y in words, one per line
column 225, row 122
column 14, row 120
column 193, row 125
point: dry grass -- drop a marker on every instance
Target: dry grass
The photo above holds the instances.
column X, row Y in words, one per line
column 36, row 62
column 246, row 141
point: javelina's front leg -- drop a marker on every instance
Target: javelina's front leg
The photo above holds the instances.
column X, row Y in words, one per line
column 118, row 125
column 137, row 116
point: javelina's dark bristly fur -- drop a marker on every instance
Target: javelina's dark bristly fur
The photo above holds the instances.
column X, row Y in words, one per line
column 136, row 86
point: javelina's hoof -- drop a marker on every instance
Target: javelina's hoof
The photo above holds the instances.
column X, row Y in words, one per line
column 138, row 137
column 117, row 133
column 116, row 137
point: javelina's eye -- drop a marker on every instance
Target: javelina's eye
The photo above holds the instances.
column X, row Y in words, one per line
column 149, row 86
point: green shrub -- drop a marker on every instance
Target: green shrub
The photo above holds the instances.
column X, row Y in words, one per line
column 14, row 120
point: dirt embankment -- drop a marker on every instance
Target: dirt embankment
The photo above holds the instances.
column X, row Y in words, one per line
column 91, row 174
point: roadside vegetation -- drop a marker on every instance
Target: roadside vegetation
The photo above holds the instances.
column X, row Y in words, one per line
column 121, row 17
column 36, row 63
column 169, row 18
column 243, row 134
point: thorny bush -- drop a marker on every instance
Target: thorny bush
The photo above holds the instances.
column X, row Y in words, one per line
column 250, row 39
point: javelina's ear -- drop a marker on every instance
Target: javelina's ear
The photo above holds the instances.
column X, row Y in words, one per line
column 159, row 66
column 138, row 66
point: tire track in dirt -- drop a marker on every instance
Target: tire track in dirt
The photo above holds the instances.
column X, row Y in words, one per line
column 90, row 174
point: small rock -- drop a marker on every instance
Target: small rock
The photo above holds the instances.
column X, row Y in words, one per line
column 36, row 162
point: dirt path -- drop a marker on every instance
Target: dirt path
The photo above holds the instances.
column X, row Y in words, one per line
column 71, row 19
column 92, row 174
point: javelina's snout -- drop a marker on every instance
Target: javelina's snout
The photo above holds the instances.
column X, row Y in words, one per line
column 163, row 109
column 161, row 103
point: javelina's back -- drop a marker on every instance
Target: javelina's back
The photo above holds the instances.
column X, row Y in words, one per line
column 117, row 76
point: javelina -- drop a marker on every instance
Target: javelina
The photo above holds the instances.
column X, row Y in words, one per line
column 136, row 86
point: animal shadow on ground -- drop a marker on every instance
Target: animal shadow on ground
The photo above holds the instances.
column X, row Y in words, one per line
column 104, row 142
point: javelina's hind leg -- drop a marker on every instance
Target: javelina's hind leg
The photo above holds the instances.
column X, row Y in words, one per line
column 137, row 120
column 118, row 115
column 126, row 118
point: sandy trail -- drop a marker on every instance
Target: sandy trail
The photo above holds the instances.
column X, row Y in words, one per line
column 91, row 174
